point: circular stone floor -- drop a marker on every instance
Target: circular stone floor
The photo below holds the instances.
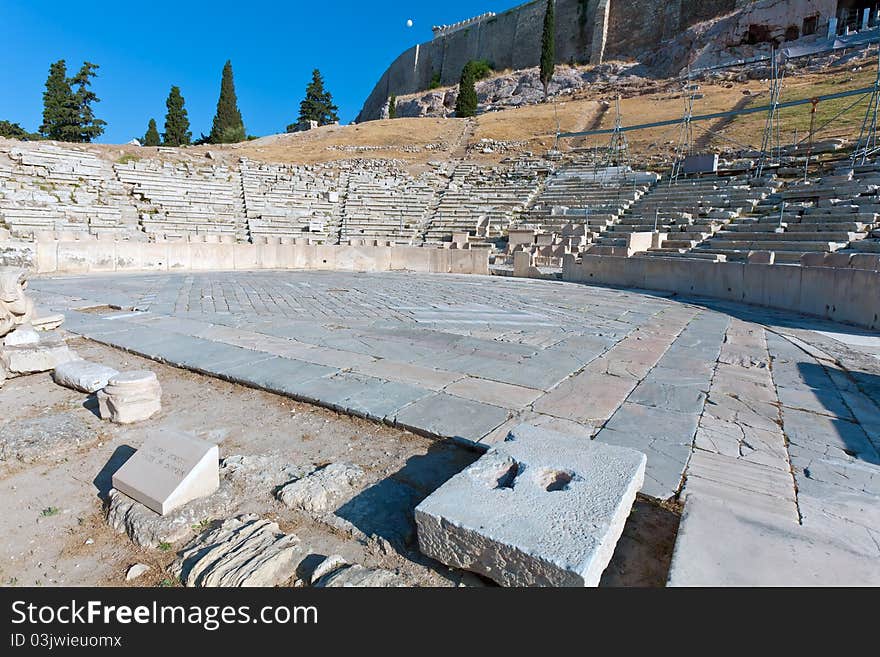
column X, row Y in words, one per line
column 759, row 410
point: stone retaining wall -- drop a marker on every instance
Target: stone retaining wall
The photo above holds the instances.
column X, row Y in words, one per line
column 843, row 295
column 85, row 257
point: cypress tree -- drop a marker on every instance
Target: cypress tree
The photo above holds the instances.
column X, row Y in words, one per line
column 548, row 47
column 60, row 116
column 228, row 127
column 466, row 105
column 317, row 105
column 176, row 121
column 88, row 127
column 392, row 107
column 152, row 136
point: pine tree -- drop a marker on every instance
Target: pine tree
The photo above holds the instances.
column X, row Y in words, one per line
column 392, row 107
column 228, row 126
column 60, row 115
column 466, row 105
column 548, row 48
column 317, row 105
column 176, row 121
column 88, row 127
column 152, row 136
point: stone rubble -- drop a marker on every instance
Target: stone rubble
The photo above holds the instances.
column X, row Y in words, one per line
column 242, row 552
column 324, row 490
column 336, row 573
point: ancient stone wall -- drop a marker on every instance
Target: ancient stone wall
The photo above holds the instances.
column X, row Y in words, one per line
column 587, row 31
column 510, row 40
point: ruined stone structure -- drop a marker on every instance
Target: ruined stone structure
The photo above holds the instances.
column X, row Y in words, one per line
column 590, row 31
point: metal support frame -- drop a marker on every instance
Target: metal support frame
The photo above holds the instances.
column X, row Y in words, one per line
column 867, row 144
column 771, row 146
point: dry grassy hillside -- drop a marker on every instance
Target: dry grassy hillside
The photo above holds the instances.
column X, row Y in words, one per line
column 532, row 129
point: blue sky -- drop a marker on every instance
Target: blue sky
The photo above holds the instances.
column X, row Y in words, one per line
column 145, row 47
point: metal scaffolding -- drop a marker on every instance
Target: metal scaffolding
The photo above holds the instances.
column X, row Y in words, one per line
column 867, row 144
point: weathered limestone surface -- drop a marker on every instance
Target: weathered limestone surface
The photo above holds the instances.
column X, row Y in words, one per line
column 83, row 375
column 357, row 576
column 540, row 509
column 44, row 437
column 169, row 470
column 242, row 552
column 725, row 544
column 323, row 490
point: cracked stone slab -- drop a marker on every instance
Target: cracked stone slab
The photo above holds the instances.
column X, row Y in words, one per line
column 717, row 543
column 540, row 509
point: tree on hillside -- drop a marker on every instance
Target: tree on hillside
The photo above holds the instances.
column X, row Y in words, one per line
column 548, row 47
column 466, row 105
column 12, row 130
column 88, row 127
column 176, row 121
column 60, row 116
column 67, row 114
column 228, row 126
column 392, row 107
column 152, row 136
column 317, row 105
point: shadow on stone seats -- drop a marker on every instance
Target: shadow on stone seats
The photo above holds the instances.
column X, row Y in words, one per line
column 385, row 509
column 103, row 482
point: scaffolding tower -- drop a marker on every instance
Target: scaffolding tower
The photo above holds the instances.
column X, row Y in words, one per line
column 771, row 142
column 686, row 135
column 867, row 144
column 618, row 149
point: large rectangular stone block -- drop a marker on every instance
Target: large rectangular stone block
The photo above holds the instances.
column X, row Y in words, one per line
column 539, row 509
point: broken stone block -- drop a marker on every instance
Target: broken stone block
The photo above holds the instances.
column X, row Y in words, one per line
column 23, row 335
column 323, row 490
column 136, row 571
column 47, row 322
column 42, row 357
column 330, row 565
column 339, row 574
column 540, row 509
column 83, row 375
column 130, row 397
column 169, row 470
column 243, row 552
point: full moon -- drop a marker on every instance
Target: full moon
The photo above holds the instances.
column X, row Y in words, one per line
column 409, row 23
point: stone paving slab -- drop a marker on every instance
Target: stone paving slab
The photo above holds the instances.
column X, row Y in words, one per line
column 443, row 415
column 718, row 544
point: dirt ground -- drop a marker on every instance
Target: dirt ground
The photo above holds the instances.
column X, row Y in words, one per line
column 53, row 531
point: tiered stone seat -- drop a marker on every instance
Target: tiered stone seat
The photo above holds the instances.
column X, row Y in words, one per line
column 178, row 201
column 689, row 210
column 388, row 208
column 484, row 201
column 585, row 195
column 822, row 216
column 293, row 201
column 48, row 192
